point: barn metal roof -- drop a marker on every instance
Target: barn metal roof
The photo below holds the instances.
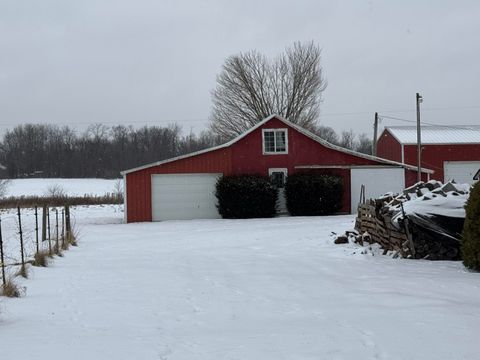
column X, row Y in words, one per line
column 461, row 134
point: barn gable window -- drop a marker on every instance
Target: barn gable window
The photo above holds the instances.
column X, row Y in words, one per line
column 275, row 141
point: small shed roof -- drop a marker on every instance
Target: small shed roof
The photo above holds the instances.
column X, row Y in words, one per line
column 461, row 134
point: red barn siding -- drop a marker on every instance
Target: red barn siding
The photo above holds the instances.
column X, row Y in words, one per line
column 243, row 157
column 139, row 188
column 411, row 177
column 433, row 156
column 247, row 154
column 247, row 157
column 388, row 147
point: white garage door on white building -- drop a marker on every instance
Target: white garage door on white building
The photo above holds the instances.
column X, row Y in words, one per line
column 377, row 181
column 460, row 171
column 184, row 196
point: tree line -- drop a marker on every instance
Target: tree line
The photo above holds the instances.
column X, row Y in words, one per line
column 39, row 150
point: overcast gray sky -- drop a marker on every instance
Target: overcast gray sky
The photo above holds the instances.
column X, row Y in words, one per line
column 154, row 62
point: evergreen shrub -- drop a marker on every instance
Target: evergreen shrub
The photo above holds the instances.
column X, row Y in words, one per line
column 246, row 196
column 470, row 245
column 313, row 194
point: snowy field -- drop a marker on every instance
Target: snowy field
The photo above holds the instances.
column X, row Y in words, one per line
column 41, row 187
column 72, row 187
column 238, row 289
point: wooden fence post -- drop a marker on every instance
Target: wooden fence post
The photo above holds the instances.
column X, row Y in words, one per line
column 36, row 229
column 57, row 244
column 63, row 228
column 20, row 233
column 50, row 251
column 2, row 263
column 44, row 223
column 48, row 222
column 68, row 226
column 21, row 236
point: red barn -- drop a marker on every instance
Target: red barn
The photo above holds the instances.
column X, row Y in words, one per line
column 452, row 152
column 184, row 187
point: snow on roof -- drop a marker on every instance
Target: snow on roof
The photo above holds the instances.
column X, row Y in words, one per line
column 461, row 134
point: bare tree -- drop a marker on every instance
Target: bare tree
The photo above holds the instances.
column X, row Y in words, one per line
column 97, row 132
column 118, row 188
column 252, row 87
column 364, row 144
column 55, row 191
column 326, row 133
column 347, row 139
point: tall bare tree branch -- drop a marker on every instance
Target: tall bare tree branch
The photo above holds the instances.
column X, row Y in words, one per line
column 251, row 87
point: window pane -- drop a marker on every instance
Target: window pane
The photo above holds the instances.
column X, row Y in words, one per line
column 280, row 141
column 269, row 141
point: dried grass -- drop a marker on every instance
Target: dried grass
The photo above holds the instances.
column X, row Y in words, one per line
column 41, row 258
column 59, row 200
column 10, row 289
column 72, row 237
column 23, row 271
column 57, row 250
column 65, row 244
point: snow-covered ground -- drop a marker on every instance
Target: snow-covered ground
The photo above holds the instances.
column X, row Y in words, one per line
column 72, row 187
column 238, row 289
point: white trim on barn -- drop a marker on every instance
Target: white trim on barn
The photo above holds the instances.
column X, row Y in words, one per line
column 264, row 152
column 125, row 207
column 398, row 165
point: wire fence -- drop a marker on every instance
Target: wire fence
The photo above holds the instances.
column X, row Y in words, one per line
column 29, row 235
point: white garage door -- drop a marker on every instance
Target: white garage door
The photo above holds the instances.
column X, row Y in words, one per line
column 184, row 196
column 377, row 181
column 460, row 171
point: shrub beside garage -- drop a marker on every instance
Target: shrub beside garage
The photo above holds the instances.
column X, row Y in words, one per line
column 313, row 194
column 246, row 196
column 470, row 244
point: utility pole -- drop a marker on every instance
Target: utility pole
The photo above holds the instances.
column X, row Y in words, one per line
column 375, row 129
column 419, row 99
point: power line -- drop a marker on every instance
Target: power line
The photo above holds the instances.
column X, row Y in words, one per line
column 402, row 110
column 431, row 124
column 396, row 118
column 451, row 108
column 205, row 120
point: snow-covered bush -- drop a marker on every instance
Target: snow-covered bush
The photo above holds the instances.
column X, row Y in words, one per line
column 55, row 191
column 471, row 230
column 313, row 194
column 245, row 196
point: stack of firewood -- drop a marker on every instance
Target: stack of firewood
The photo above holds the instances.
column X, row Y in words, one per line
column 410, row 235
